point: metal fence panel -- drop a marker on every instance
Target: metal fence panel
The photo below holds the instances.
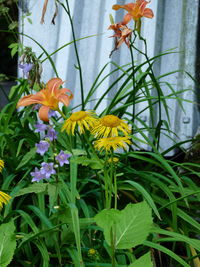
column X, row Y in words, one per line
column 174, row 26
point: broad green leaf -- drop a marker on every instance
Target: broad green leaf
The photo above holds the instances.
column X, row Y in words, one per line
column 129, row 227
column 34, row 188
column 144, row 261
column 8, row 243
column 27, row 158
column 106, row 219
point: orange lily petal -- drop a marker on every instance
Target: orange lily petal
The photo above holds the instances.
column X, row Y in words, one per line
column 63, row 92
column 128, row 7
column 128, row 17
column 142, row 7
column 44, row 113
column 65, row 99
column 117, row 7
column 148, row 13
column 30, row 99
column 53, row 85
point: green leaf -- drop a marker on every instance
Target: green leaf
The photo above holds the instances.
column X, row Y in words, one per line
column 34, row 188
column 145, row 260
column 27, row 158
column 129, row 227
column 29, row 20
column 52, row 192
column 14, row 48
column 8, row 243
column 93, row 163
column 166, row 251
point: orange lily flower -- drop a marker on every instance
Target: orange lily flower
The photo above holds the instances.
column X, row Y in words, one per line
column 49, row 98
column 136, row 10
column 122, row 33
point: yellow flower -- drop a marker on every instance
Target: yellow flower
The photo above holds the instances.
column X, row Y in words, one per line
column 110, row 126
column 92, row 251
column 113, row 160
column 4, row 198
column 1, row 165
column 82, row 119
column 112, row 143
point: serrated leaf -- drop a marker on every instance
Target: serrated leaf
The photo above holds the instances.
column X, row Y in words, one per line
column 34, row 188
column 130, row 226
column 8, row 243
column 144, row 261
column 27, row 157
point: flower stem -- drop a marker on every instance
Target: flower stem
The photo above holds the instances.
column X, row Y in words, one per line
column 67, row 10
column 134, row 89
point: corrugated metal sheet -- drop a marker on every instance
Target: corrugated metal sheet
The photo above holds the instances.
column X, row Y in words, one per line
column 174, row 26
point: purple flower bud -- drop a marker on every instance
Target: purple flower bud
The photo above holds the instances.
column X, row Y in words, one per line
column 37, row 175
column 47, row 169
column 40, row 127
column 26, row 67
column 62, row 158
column 51, row 133
column 42, row 147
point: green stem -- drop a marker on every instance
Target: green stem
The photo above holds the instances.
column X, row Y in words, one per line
column 108, row 192
column 112, row 237
column 113, row 179
column 62, row 114
column 153, row 80
column 115, row 190
column 67, row 10
column 134, row 89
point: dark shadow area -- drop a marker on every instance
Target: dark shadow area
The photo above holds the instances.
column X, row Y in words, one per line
column 8, row 65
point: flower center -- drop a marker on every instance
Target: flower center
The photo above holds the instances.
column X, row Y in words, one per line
column 110, row 121
column 79, row 115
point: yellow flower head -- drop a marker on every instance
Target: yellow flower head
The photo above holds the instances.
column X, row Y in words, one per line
column 82, row 119
column 110, row 126
column 4, row 198
column 1, row 165
column 112, row 143
column 114, row 160
column 92, row 251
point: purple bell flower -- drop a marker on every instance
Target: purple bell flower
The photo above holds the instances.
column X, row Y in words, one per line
column 40, row 127
column 42, row 147
column 37, row 175
column 47, row 169
column 51, row 133
column 62, row 158
column 26, row 67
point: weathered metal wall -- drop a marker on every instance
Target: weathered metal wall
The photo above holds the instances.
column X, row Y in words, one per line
column 174, row 26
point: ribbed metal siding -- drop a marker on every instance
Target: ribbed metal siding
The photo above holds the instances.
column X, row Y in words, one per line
column 174, row 26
